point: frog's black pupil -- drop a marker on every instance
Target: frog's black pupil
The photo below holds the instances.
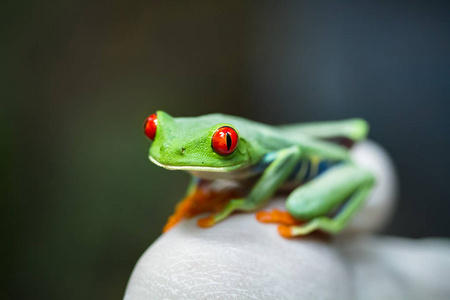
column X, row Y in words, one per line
column 228, row 141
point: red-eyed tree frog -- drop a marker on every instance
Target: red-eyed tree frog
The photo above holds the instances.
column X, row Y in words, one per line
column 312, row 160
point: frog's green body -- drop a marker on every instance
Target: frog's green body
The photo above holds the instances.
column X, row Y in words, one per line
column 275, row 155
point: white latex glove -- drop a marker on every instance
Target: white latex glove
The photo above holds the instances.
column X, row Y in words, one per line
column 241, row 258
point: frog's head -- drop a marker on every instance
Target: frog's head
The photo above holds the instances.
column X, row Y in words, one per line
column 195, row 144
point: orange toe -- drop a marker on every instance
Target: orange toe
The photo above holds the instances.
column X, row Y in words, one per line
column 173, row 220
column 264, row 217
column 276, row 216
column 206, row 222
column 285, row 231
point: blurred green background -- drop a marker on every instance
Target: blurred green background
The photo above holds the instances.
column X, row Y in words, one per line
column 80, row 201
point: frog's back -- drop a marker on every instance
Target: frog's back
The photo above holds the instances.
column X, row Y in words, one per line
column 345, row 132
column 323, row 138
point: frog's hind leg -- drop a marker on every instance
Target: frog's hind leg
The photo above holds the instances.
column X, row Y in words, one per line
column 343, row 189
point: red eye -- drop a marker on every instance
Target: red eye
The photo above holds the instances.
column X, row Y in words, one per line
column 150, row 125
column 224, row 140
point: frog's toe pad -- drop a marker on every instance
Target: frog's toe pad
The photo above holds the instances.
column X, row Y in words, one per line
column 286, row 231
column 206, row 222
column 277, row 216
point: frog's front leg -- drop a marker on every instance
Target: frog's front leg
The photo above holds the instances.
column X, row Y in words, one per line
column 272, row 178
column 329, row 201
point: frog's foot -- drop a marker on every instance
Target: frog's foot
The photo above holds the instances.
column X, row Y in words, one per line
column 235, row 204
column 294, row 231
column 215, row 201
column 277, row 216
column 180, row 211
column 206, row 222
column 201, row 200
column 322, row 223
column 171, row 222
column 286, row 231
column 186, row 208
column 211, row 220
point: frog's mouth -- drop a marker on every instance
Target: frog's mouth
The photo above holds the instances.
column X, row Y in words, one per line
column 198, row 168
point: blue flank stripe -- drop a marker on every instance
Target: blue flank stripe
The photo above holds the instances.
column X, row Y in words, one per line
column 323, row 166
column 296, row 170
column 308, row 171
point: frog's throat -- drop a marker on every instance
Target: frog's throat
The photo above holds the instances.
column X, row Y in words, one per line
column 197, row 168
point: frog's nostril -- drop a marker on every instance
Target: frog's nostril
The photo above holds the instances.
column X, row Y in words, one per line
column 182, row 150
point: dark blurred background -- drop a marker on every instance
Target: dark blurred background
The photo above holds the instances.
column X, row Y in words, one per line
column 80, row 201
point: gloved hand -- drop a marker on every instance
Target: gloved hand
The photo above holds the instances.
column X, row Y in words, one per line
column 241, row 258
